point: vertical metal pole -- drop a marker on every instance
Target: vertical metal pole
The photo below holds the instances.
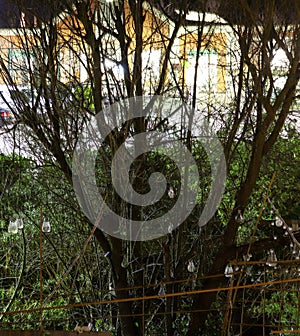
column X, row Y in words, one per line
column 41, row 271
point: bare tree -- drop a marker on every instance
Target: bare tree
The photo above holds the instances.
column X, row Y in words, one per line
column 84, row 54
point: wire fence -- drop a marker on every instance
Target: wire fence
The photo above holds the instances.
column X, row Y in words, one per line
column 47, row 333
column 272, row 295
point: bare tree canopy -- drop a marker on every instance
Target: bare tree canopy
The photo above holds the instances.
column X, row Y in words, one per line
column 95, row 85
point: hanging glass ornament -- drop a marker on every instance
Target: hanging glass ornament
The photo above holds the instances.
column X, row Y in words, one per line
column 171, row 192
column 239, row 217
column 12, row 227
column 20, row 223
column 228, row 271
column 161, row 290
column 46, row 227
column 272, row 259
column 111, row 289
column 191, row 266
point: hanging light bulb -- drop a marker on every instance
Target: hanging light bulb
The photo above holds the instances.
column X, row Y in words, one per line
column 111, row 289
column 12, row 227
column 272, row 259
column 191, row 266
column 20, row 223
column 228, row 271
column 171, row 192
column 46, row 227
column 278, row 222
column 161, row 290
column 239, row 217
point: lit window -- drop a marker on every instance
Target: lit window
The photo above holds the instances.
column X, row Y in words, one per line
column 207, row 74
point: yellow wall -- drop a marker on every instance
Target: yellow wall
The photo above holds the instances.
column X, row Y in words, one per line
column 10, row 43
column 155, row 37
